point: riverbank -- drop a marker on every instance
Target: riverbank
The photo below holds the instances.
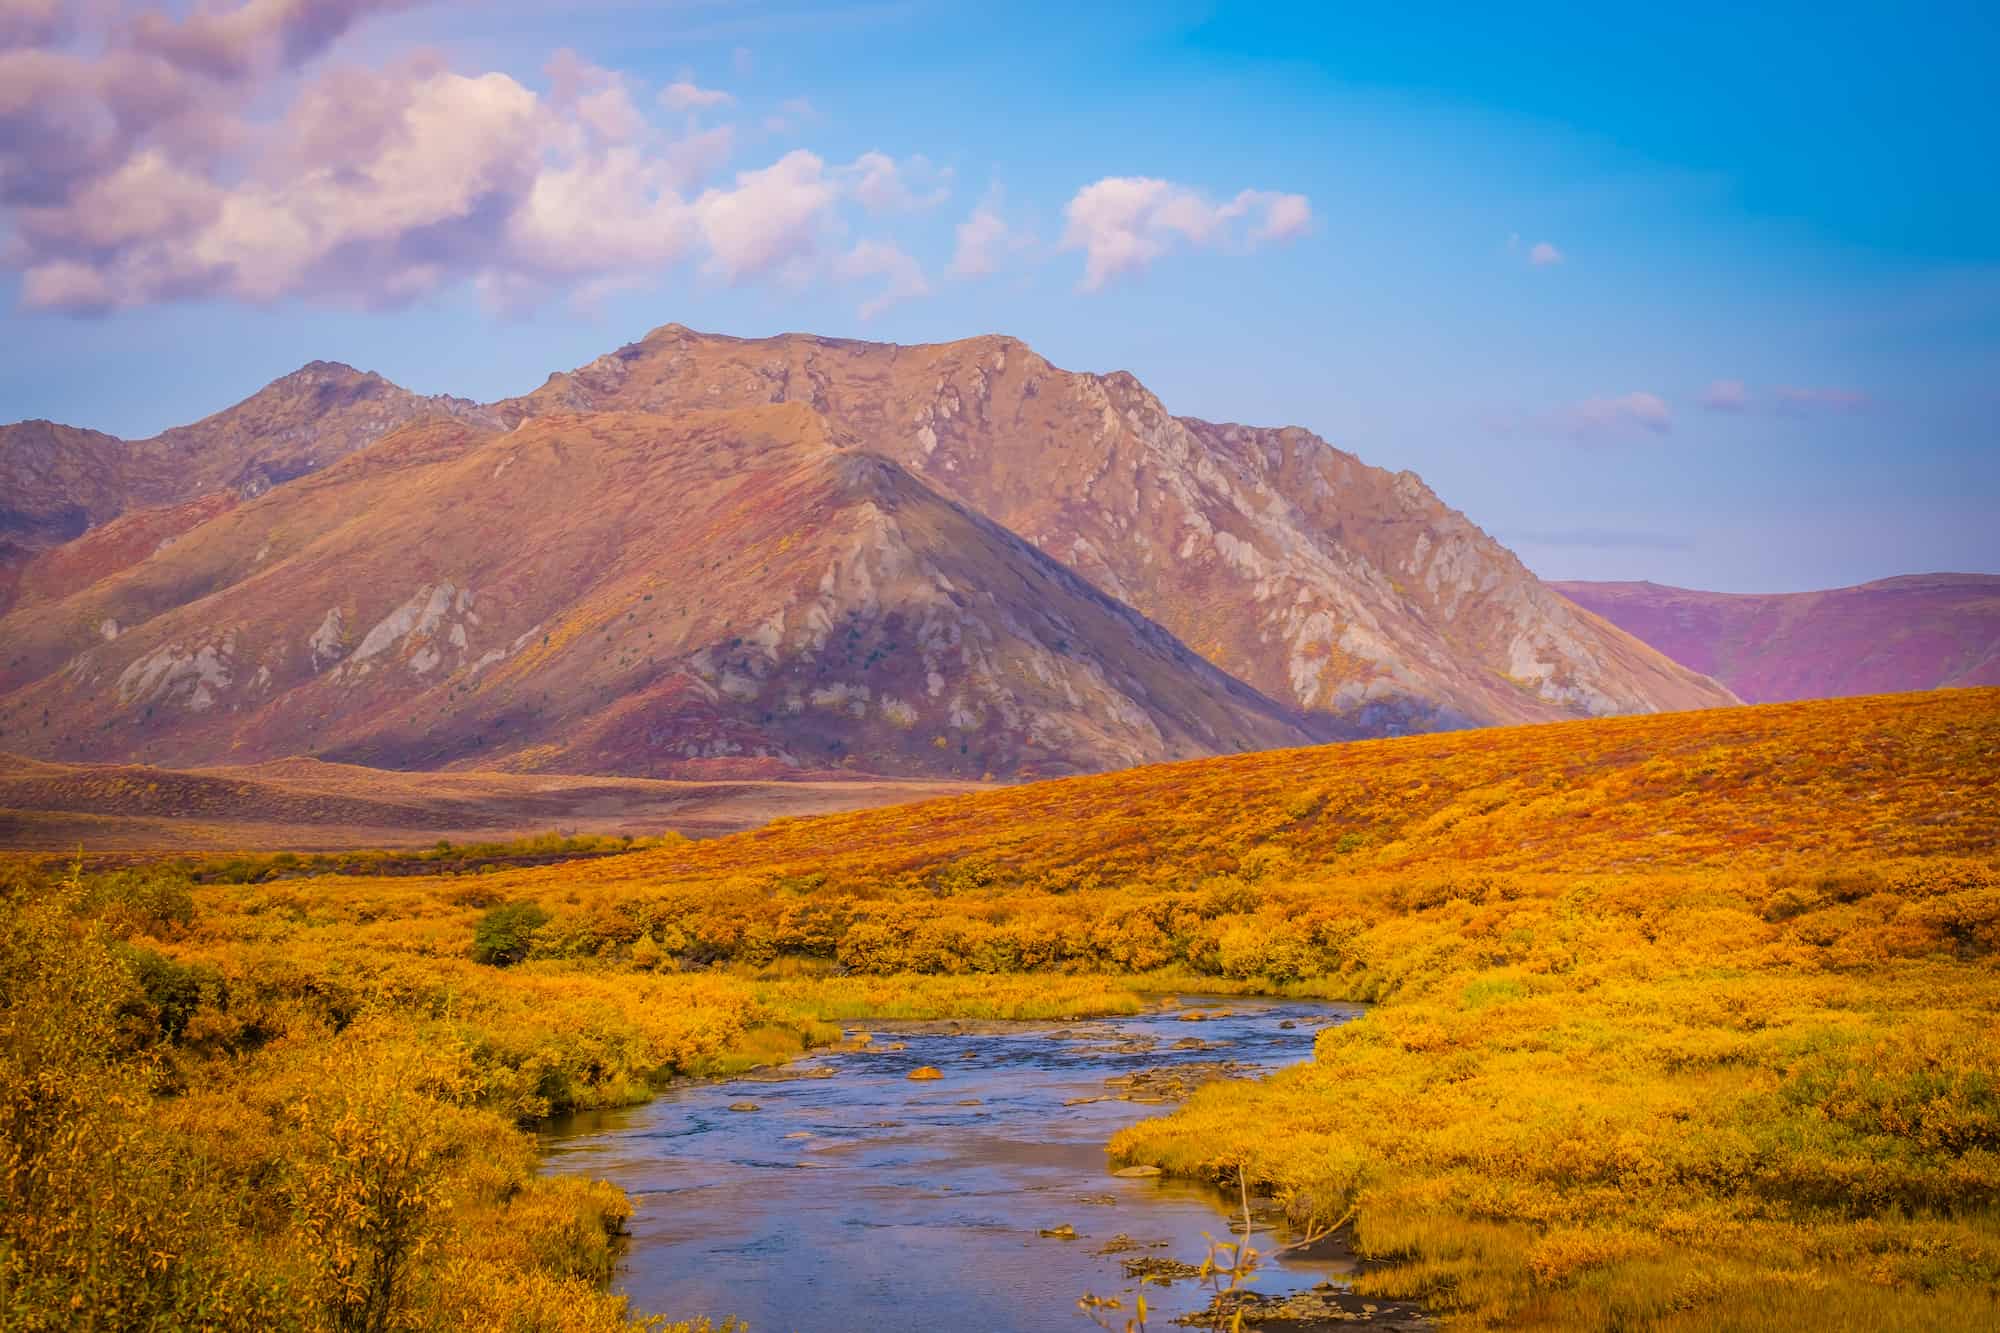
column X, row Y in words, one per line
column 841, row 1193
column 1677, row 1021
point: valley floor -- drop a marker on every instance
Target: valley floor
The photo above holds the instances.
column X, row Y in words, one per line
column 305, row 805
column 1688, row 1021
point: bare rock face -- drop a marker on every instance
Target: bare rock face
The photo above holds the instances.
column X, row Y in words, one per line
column 704, row 556
column 1919, row 632
column 1351, row 592
column 672, row 593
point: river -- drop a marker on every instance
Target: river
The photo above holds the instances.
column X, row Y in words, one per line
column 853, row 1198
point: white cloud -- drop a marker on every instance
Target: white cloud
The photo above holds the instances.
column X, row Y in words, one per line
column 687, row 96
column 903, row 276
column 142, row 163
column 1543, row 255
column 1726, row 396
column 1787, row 399
column 1286, row 216
column 881, row 185
column 986, row 240
column 1124, row 223
column 1599, row 419
column 772, row 216
column 980, row 240
column 256, row 35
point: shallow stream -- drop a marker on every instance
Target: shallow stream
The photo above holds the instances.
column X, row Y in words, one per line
column 852, row 1197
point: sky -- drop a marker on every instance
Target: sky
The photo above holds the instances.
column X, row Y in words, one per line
column 1700, row 295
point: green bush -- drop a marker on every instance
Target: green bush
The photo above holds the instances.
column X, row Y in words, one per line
column 174, row 991
column 504, row 935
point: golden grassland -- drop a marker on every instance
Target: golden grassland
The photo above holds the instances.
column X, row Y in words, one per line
column 1680, row 1021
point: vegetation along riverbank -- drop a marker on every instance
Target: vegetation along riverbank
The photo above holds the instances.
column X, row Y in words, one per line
column 1678, row 1020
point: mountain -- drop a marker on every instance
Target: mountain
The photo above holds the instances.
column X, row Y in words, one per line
column 1346, row 590
column 60, row 482
column 1919, row 632
column 713, row 593
column 715, row 557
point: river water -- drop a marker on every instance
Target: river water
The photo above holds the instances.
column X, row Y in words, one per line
column 855, row 1198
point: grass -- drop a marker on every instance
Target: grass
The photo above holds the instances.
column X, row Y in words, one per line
column 1683, row 1021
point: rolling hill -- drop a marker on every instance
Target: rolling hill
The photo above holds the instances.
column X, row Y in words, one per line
column 1913, row 633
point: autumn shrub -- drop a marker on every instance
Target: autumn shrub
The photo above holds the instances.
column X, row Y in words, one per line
column 156, row 900
column 1677, row 1022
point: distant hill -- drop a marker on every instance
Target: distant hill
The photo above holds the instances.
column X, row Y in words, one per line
column 306, row 805
column 1913, row 633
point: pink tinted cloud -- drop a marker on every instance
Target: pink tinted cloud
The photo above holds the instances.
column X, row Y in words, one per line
column 685, row 95
column 168, row 158
column 1124, row 223
column 986, row 240
column 901, row 277
column 1623, row 416
column 1726, row 396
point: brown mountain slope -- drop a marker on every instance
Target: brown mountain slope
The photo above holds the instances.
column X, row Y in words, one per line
column 1339, row 587
column 1913, row 633
column 615, row 593
column 58, row 482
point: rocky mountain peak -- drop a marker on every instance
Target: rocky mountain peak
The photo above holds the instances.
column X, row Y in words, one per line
column 1253, row 568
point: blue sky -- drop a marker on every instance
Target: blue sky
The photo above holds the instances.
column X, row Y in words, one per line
column 1702, row 296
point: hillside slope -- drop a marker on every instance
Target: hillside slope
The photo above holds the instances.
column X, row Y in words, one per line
column 1913, row 633
column 1900, row 775
column 60, row 482
column 708, row 594
column 1339, row 587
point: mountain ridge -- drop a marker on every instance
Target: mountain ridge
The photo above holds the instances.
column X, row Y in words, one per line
column 675, row 593
column 1309, row 603
column 1229, row 587
column 1906, row 632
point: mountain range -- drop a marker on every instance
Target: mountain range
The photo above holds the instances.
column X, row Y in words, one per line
column 1918, row 632
column 702, row 556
